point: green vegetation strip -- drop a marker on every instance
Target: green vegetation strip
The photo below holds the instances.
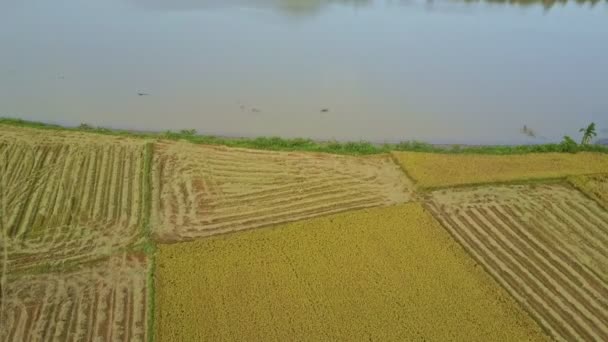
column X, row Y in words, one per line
column 149, row 244
column 302, row 144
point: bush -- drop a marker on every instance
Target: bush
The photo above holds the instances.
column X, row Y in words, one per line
column 85, row 127
column 568, row 145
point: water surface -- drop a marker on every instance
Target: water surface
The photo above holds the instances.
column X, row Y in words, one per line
column 381, row 70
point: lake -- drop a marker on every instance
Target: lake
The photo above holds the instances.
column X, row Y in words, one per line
column 439, row 71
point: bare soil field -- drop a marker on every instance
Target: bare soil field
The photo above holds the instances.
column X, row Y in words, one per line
column 595, row 186
column 382, row 274
column 433, row 170
column 68, row 200
column 101, row 302
column 546, row 244
column 205, row 190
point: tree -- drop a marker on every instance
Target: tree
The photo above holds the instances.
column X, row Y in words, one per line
column 588, row 134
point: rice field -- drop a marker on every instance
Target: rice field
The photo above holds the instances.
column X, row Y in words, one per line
column 594, row 186
column 69, row 202
column 546, row 244
column 71, row 207
column 101, row 302
column 383, row 274
column 435, row 170
column 345, row 248
column 205, row 190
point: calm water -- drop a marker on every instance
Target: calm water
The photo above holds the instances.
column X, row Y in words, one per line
column 381, row 70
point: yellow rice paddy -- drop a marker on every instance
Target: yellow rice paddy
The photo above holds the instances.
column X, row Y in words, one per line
column 382, row 274
column 431, row 170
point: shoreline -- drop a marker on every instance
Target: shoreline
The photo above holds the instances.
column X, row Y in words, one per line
column 310, row 145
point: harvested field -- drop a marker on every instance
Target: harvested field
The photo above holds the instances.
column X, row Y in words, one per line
column 204, row 190
column 595, row 186
column 69, row 202
column 546, row 244
column 104, row 302
column 432, row 170
column 383, row 274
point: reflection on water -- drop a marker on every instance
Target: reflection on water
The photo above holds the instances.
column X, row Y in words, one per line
column 307, row 7
column 440, row 71
column 297, row 7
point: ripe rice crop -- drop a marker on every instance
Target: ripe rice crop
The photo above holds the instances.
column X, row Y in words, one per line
column 383, row 274
column 432, row 170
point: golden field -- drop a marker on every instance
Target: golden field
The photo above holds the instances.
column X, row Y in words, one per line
column 595, row 186
column 382, row 274
column 432, row 170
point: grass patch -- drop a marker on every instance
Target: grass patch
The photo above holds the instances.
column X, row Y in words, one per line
column 431, row 170
column 151, row 296
column 149, row 246
column 303, row 144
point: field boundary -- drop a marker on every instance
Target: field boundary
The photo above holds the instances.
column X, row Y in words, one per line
column 310, row 145
column 149, row 244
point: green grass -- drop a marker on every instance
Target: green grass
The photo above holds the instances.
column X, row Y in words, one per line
column 151, row 295
column 302, row 144
column 149, row 246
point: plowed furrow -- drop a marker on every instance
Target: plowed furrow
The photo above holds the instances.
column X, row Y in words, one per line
column 547, row 246
column 569, row 234
column 200, row 190
column 329, row 194
column 512, row 284
column 291, row 208
column 559, row 285
column 596, row 235
column 301, row 184
column 579, row 278
column 530, row 275
column 274, row 219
